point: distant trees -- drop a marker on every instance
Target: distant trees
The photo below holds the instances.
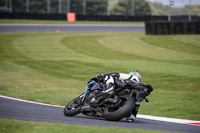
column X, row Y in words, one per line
column 91, row 7
column 132, row 8
column 41, row 6
column 98, row 7
column 76, row 6
column 35, row 6
column 196, row 9
column 160, row 9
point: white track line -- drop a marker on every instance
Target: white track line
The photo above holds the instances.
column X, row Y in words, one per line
column 26, row 101
column 157, row 118
column 165, row 119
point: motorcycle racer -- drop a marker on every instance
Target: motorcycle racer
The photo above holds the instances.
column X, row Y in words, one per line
column 114, row 80
column 111, row 95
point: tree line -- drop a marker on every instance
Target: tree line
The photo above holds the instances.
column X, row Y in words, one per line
column 97, row 7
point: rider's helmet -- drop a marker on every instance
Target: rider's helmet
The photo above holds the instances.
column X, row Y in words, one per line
column 136, row 73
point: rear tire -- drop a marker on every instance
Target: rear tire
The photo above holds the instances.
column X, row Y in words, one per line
column 73, row 107
column 113, row 114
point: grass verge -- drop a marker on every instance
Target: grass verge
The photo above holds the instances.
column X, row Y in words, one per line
column 8, row 126
column 26, row 21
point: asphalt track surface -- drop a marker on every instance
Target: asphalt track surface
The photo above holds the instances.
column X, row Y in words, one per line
column 12, row 109
column 10, row 28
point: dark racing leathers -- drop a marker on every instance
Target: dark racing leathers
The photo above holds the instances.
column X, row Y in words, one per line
column 115, row 80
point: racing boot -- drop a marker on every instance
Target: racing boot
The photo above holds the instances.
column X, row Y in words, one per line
column 133, row 115
column 131, row 118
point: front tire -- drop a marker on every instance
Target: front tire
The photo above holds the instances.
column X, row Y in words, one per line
column 73, row 107
column 115, row 114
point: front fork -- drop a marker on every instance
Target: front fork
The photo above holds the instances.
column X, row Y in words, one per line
column 137, row 105
column 135, row 110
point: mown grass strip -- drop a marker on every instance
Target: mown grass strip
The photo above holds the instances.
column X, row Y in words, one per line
column 8, row 126
column 26, row 21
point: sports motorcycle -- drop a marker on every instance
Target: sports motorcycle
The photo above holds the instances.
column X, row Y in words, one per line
column 113, row 107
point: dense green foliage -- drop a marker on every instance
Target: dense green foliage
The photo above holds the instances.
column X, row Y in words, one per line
column 160, row 9
column 41, row 6
column 103, row 7
column 129, row 8
column 55, row 67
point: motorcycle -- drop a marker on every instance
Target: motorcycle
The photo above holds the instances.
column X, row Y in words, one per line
column 113, row 107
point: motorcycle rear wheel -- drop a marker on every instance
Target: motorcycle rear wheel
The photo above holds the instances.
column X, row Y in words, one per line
column 115, row 114
column 73, row 107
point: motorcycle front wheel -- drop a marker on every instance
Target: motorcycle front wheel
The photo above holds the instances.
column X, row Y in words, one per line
column 73, row 107
column 124, row 109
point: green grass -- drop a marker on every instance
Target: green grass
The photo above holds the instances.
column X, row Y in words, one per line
column 55, row 67
column 9, row 126
column 26, row 21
